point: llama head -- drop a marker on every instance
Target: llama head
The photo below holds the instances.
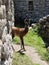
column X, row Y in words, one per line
column 26, row 21
column 26, row 25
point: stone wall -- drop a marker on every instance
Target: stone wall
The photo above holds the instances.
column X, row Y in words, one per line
column 44, row 29
column 6, row 23
column 41, row 8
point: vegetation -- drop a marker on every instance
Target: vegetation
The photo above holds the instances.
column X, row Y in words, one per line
column 21, row 59
column 34, row 40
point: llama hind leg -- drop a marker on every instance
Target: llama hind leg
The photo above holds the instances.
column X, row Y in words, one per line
column 22, row 44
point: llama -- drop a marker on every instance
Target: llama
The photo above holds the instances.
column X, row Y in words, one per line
column 20, row 32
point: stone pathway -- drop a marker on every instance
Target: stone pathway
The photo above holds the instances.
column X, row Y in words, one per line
column 32, row 54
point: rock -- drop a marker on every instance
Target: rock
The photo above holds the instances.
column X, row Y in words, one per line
column 48, row 18
column 6, row 62
column 6, row 16
column 3, row 23
column 10, row 26
column 4, row 34
column 47, row 48
column 0, row 50
column 2, row 19
column 40, row 20
column 6, row 50
column 44, row 28
column 45, row 18
column 9, row 43
column 10, row 15
column 33, row 25
column 2, row 12
column 1, row 30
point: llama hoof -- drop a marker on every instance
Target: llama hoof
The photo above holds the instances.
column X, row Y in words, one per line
column 21, row 49
column 24, row 49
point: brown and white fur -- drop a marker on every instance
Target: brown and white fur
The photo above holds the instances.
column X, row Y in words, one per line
column 21, row 32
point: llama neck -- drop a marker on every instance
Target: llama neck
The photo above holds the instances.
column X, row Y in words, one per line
column 26, row 29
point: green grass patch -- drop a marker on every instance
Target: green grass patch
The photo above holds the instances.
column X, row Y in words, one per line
column 16, row 40
column 34, row 40
column 20, row 59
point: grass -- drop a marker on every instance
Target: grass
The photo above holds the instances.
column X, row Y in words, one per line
column 21, row 59
column 34, row 40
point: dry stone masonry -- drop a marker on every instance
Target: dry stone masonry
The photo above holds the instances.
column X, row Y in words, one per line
column 44, row 28
column 6, row 22
column 40, row 8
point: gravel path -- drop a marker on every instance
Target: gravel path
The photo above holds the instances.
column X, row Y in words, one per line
column 32, row 54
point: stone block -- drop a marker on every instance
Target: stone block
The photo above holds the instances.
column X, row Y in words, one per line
column 48, row 18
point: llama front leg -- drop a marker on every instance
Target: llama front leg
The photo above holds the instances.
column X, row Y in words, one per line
column 22, row 43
